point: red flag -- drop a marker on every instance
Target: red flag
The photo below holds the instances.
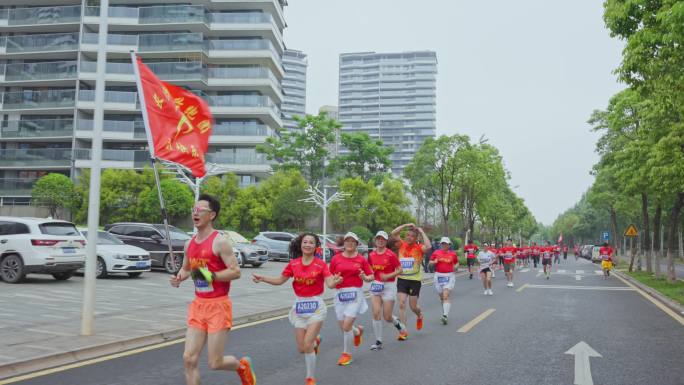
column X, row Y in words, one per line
column 560, row 239
column 179, row 121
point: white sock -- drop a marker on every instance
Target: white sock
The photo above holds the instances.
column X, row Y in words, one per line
column 377, row 330
column 310, row 359
column 446, row 306
column 355, row 330
column 348, row 336
column 397, row 324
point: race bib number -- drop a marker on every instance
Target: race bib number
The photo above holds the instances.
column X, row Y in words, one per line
column 347, row 296
column 202, row 286
column 605, row 257
column 443, row 280
column 377, row 287
column 407, row 265
column 306, row 307
column 547, row 256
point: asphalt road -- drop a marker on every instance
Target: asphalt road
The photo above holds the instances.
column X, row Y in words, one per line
column 523, row 341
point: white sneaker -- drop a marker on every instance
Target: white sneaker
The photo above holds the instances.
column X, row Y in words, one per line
column 486, row 292
column 491, row 292
column 510, row 284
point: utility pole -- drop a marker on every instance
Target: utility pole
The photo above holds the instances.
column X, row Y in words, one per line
column 321, row 199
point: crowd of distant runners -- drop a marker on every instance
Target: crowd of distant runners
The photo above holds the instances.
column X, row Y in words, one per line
column 394, row 269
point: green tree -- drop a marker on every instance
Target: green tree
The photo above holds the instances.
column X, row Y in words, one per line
column 178, row 199
column 55, row 191
column 306, row 148
column 366, row 158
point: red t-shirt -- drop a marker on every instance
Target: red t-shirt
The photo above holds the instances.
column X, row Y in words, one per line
column 202, row 255
column 308, row 279
column 606, row 251
column 446, row 260
column 470, row 250
column 385, row 263
column 508, row 253
column 349, row 269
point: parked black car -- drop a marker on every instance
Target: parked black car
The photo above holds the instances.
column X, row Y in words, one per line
column 151, row 237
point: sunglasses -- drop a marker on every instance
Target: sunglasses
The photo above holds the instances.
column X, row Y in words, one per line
column 199, row 210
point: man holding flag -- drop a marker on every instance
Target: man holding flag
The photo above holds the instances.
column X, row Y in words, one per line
column 178, row 125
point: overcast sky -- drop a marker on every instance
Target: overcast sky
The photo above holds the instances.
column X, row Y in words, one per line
column 526, row 74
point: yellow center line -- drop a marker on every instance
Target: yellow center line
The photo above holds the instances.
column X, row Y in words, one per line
column 466, row 328
column 662, row 307
column 521, row 288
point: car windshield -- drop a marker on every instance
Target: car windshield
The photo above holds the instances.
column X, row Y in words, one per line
column 105, row 238
column 176, row 233
column 236, row 237
column 58, row 228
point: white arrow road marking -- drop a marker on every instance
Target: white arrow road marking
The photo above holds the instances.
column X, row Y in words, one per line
column 540, row 273
column 524, row 270
column 579, row 271
column 582, row 352
column 561, row 271
column 570, row 287
column 578, row 277
column 598, row 272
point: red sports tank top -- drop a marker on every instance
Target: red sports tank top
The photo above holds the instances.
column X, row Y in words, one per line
column 202, row 255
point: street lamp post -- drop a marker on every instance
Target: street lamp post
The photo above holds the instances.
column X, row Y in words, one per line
column 322, row 200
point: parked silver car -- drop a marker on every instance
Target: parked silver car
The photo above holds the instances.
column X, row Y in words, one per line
column 277, row 243
column 246, row 252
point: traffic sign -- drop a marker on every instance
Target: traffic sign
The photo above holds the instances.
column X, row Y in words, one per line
column 631, row 231
column 605, row 236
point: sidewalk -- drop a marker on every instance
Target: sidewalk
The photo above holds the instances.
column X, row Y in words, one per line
column 42, row 329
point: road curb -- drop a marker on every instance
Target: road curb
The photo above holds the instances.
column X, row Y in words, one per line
column 672, row 305
column 49, row 361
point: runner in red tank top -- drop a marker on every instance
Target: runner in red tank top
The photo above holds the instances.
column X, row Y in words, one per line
column 210, row 262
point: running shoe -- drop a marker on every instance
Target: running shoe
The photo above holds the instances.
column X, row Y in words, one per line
column 358, row 338
column 491, row 292
column 376, row 346
column 510, row 284
column 471, row 276
column 444, row 320
column 419, row 323
column 310, row 381
column 403, row 335
column 345, row 359
column 317, row 344
column 245, row 371
column 486, row 292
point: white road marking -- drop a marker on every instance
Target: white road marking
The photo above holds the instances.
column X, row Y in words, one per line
column 561, row 271
column 524, row 270
column 578, row 277
column 579, row 271
column 582, row 352
column 540, row 273
column 606, row 288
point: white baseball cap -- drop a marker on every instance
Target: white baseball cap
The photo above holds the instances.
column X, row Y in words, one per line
column 382, row 234
column 351, row 235
column 445, row 240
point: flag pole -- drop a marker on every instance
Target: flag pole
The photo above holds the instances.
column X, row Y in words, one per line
column 153, row 158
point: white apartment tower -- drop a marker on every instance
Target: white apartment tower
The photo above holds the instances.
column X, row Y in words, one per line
column 294, row 87
column 228, row 51
column 391, row 96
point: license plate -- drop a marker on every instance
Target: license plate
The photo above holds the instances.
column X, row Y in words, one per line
column 69, row 250
column 141, row 265
column 263, row 258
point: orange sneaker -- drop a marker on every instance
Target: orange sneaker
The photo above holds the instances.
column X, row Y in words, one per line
column 419, row 322
column 245, row 371
column 358, row 338
column 345, row 359
column 310, row 381
column 403, row 335
column 317, row 345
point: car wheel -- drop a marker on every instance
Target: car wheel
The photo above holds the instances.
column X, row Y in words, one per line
column 12, row 269
column 257, row 264
column 170, row 266
column 135, row 275
column 101, row 268
column 63, row 276
column 242, row 260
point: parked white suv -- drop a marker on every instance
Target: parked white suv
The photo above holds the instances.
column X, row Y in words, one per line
column 39, row 246
column 114, row 256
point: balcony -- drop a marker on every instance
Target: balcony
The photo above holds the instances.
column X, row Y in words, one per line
column 16, row 186
column 41, row 72
column 113, row 158
column 36, row 158
column 37, row 129
column 42, row 99
column 40, row 16
column 178, row 14
column 113, row 129
column 114, row 100
column 39, row 43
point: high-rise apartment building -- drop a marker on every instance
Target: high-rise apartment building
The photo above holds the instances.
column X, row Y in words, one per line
column 230, row 52
column 391, row 96
column 294, row 87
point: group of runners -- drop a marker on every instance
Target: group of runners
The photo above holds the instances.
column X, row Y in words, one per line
column 394, row 273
